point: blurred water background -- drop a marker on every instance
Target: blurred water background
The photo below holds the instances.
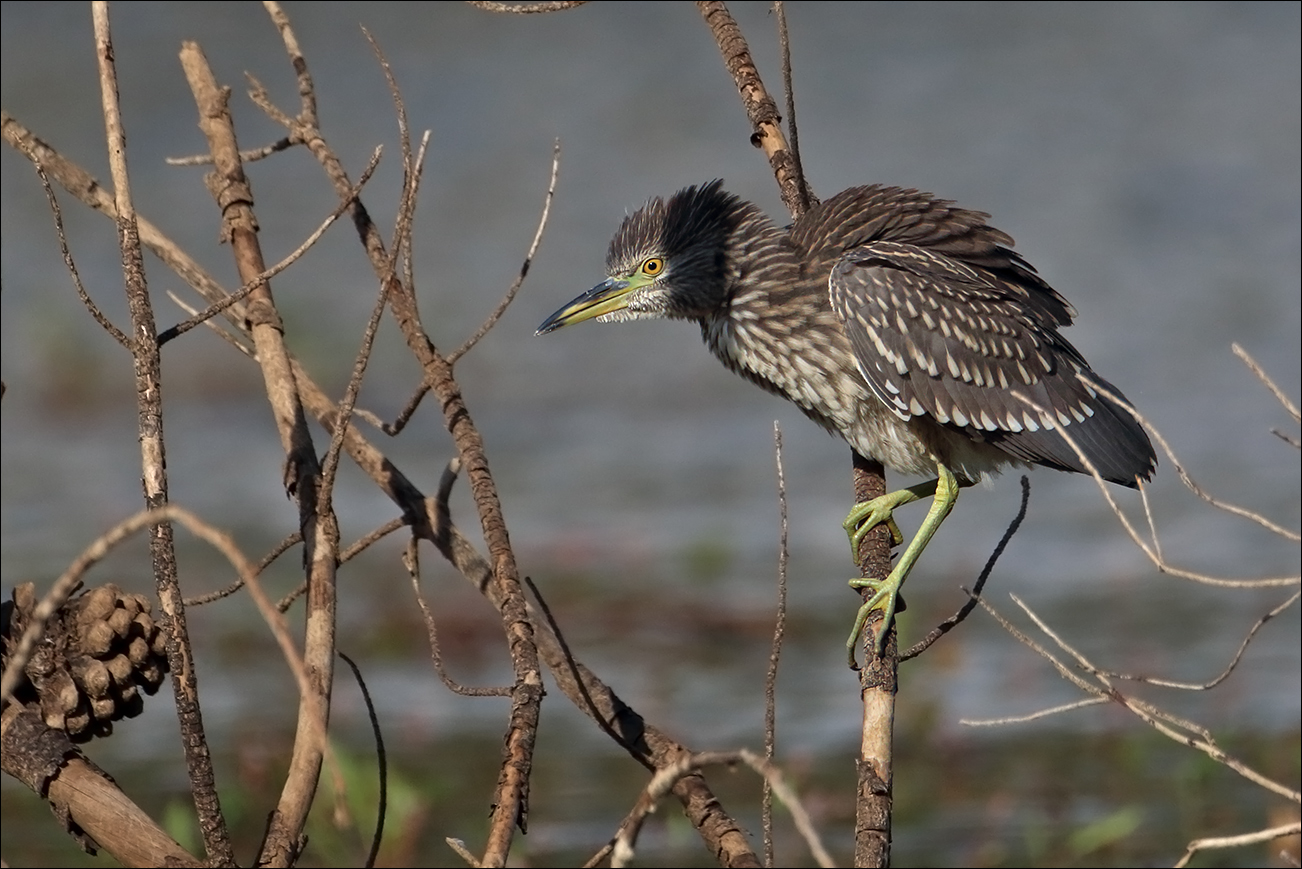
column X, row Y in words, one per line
column 1145, row 156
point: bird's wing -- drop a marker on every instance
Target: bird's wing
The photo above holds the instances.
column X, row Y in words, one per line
column 935, row 337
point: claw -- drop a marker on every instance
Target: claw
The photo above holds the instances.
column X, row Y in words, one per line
column 886, row 598
column 868, row 515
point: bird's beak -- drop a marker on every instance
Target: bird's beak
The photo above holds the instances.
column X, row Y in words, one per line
column 607, row 296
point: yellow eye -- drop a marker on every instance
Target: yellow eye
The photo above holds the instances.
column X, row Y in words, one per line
column 652, row 267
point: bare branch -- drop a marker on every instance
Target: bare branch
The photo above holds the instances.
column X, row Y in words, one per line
column 666, row 777
column 1254, row 838
column 278, row 550
column 1043, row 713
column 411, row 560
column 510, row 806
column 720, row 832
column 346, row 555
column 218, row 331
column 1234, row 662
column 524, row 267
column 98, row 315
column 953, row 621
column 1256, row 369
column 765, row 121
column 86, row 800
column 526, row 8
column 784, row 41
column 262, row 277
column 303, row 476
column 1150, row 551
column 147, row 364
column 1185, row 732
column 1184, row 475
column 775, row 655
column 306, row 89
column 463, row 852
column 249, row 156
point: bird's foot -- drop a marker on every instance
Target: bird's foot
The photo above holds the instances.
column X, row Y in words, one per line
column 886, row 592
column 886, row 597
column 867, row 515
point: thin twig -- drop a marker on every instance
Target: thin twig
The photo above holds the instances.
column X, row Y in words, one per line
column 1256, row 369
column 330, row 464
column 1185, row 477
column 953, row 621
column 404, row 416
column 1234, row 662
column 463, row 852
column 526, row 8
column 346, row 555
column 1149, row 551
column 217, row 330
column 1283, row 830
column 524, row 267
column 788, row 90
column 400, row 245
column 411, row 560
column 96, row 313
column 775, row 655
column 1291, row 440
column 265, row 275
column 664, row 780
column 1033, row 716
column 276, row 551
column 1180, row 730
column 306, row 87
column 248, row 156
column 381, row 762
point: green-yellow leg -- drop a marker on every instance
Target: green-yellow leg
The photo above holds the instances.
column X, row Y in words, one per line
column 887, row 591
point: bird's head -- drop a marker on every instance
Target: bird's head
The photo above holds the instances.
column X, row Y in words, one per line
column 668, row 260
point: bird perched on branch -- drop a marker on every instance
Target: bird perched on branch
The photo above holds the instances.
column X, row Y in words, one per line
column 896, row 320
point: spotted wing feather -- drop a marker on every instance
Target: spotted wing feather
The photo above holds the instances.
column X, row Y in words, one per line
column 936, row 337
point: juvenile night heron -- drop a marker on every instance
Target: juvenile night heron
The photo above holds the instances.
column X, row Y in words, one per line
column 905, row 325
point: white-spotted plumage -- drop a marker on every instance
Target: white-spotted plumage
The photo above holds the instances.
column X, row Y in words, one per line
column 905, row 325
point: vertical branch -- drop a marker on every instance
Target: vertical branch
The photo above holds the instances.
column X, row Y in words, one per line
column 878, row 678
column 877, row 683
column 148, row 370
column 765, row 121
column 806, row 194
column 779, row 631
column 511, row 797
column 320, row 532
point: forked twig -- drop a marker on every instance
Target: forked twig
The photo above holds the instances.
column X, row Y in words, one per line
column 1229, row 668
column 665, row 778
column 1185, row 477
column 1180, row 730
column 1151, row 551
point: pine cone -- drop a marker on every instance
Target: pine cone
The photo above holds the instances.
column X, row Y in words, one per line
column 99, row 650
